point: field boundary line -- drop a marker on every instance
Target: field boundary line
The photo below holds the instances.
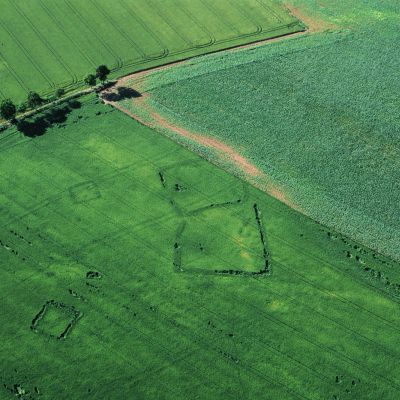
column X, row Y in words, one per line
column 239, row 47
column 142, row 72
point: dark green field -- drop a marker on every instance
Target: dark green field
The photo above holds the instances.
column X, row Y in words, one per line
column 132, row 268
column 319, row 113
column 47, row 44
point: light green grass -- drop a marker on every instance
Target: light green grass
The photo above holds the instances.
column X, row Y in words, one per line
column 87, row 196
column 318, row 113
column 46, row 44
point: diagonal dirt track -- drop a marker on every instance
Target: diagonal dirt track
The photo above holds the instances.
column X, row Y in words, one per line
column 222, row 154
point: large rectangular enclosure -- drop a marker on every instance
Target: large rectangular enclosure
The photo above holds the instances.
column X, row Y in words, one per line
column 47, row 44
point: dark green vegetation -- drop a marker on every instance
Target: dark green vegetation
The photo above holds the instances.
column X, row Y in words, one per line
column 133, row 269
column 319, row 113
column 7, row 110
column 46, row 44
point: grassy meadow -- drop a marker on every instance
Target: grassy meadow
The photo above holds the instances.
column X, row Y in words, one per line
column 48, row 44
column 317, row 112
column 133, row 268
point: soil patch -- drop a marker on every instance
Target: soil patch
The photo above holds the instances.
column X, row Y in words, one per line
column 314, row 24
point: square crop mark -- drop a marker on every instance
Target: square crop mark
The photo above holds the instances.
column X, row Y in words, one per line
column 55, row 319
column 84, row 192
column 222, row 243
column 189, row 195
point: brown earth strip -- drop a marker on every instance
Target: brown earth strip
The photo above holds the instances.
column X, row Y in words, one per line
column 314, row 24
column 223, row 155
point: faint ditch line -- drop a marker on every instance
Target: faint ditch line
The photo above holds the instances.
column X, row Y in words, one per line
column 263, row 236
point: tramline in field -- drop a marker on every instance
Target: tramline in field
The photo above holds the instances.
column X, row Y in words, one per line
column 47, row 44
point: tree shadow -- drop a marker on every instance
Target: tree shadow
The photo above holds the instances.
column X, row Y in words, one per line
column 37, row 126
column 122, row 93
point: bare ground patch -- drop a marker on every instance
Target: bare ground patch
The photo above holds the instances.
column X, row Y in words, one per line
column 314, row 24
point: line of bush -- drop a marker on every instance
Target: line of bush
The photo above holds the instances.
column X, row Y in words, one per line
column 9, row 111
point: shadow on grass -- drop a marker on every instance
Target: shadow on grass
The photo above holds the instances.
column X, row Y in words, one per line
column 37, row 126
column 122, row 93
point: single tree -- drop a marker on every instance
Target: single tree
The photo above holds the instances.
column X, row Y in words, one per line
column 22, row 107
column 8, row 110
column 60, row 93
column 102, row 72
column 90, row 80
column 34, row 100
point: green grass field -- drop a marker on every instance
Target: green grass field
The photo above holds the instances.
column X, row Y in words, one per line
column 318, row 113
column 134, row 269
column 47, row 44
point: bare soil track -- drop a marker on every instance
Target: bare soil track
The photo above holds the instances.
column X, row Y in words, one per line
column 223, row 154
column 314, row 24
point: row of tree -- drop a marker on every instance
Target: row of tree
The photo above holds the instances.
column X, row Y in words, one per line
column 102, row 73
column 8, row 110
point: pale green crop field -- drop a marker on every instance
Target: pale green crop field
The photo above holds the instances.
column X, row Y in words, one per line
column 48, row 44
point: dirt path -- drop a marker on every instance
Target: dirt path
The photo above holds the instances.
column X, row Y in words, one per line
column 223, row 154
column 314, row 24
column 218, row 146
